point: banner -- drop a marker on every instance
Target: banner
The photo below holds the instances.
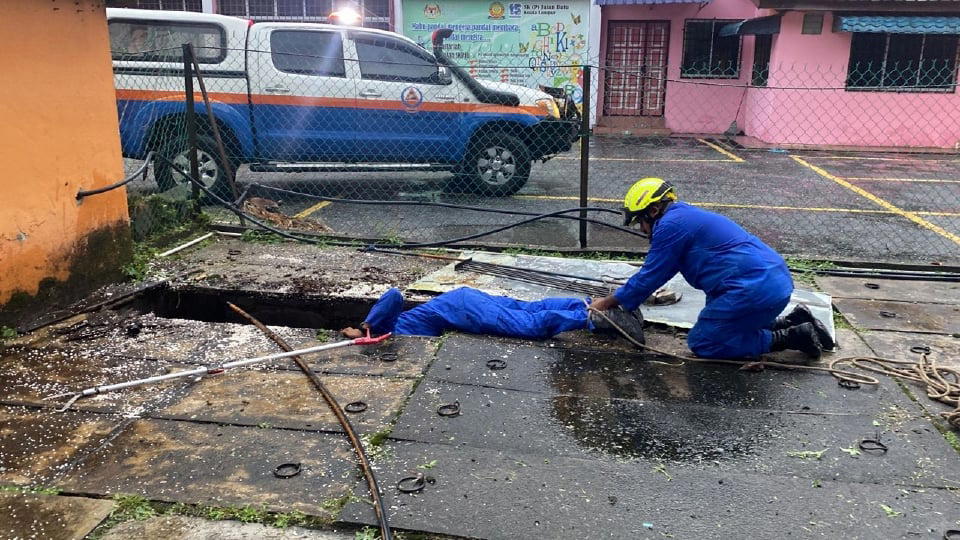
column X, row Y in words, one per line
column 523, row 43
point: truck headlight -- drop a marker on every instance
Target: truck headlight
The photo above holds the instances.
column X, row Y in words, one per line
column 549, row 106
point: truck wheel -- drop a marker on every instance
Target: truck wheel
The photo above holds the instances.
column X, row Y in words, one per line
column 213, row 173
column 497, row 165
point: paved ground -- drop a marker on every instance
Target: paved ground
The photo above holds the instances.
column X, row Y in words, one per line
column 578, row 437
column 865, row 206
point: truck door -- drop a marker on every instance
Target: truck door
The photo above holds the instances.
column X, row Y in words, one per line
column 411, row 113
column 302, row 94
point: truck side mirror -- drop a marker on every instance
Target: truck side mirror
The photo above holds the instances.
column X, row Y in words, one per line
column 443, row 75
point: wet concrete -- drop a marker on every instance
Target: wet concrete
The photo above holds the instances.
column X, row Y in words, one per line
column 289, row 400
column 933, row 292
column 907, row 317
column 479, row 492
column 192, row 528
column 603, row 374
column 37, row 445
column 944, row 350
column 219, row 465
column 50, row 517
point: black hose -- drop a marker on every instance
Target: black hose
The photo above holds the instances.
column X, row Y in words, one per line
column 141, row 171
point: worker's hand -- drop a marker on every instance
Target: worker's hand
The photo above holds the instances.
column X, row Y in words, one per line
column 352, row 333
column 603, row 304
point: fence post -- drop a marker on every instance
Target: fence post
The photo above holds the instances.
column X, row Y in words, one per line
column 584, row 154
column 191, row 122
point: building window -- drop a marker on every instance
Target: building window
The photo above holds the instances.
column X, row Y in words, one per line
column 902, row 62
column 172, row 5
column 812, row 23
column 706, row 54
column 761, row 59
column 376, row 13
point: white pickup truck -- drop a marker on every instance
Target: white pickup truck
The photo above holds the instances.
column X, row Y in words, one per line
column 299, row 96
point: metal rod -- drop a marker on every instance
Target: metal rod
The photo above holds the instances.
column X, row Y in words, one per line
column 191, row 121
column 213, row 370
column 184, row 246
column 372, row 485
column 584, row 154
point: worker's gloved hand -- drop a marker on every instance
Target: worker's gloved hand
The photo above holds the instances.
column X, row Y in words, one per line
column 663, row 297
column 605, row 303
column 352, row 333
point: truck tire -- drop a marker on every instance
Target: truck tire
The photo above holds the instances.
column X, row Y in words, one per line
column 213, row 173
column 497, row 165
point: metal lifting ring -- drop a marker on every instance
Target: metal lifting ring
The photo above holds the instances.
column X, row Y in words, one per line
column 450, row 409
column 871, row 285
column 496, row 364
column 287, row 470
column 848, row 384
column 952, row 534
column 872, row 446
column 920, row 349
column 888, row 314
column 411, row 484
column 388, row 357
column 355, row 407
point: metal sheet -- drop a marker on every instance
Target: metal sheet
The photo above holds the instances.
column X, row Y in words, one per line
column 683, row 314
column 907, row 317
column 50, row 517
column 934, row 292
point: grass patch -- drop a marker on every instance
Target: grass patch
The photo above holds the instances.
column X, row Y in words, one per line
column 588, row 255
column 326, row 336
column 841, row 322
column 139, row 266
column 261, row 237
column 38, row 490
column 804, row 270
column 807, row 454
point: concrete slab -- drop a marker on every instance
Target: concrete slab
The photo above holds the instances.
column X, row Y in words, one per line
column 741, row 440
column 36, row 446
column 399, row 356
column 289, row 400
column 193, row 528
column 50, row 517
column 849, row 343
column 481, row 493
column 219, row 465
column 29, row 375
column 906, row 317
column 932, row 292
column 944, row 350
column 463, row 360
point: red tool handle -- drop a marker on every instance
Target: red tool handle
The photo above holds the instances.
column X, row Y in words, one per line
column 371, row 340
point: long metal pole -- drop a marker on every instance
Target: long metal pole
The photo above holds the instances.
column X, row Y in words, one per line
column 191, row 121
column 213, row 370
column 584, row 154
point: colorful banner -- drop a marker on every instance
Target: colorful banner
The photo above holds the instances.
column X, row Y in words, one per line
column 523, row 43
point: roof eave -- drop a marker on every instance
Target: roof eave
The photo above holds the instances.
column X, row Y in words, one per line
column 924, row 6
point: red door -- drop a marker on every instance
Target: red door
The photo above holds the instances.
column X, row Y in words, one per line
column 636, row 68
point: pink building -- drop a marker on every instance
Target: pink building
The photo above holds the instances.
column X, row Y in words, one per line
column 785, row 72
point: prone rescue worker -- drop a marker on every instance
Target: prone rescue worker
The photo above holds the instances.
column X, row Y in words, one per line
column 746, row 282
column 476, row 312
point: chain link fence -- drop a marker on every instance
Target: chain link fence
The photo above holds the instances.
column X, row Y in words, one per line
column 360, row 134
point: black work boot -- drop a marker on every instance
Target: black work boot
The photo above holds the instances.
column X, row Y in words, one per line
column 802, row 314
column 802, row 337
column 628, row 322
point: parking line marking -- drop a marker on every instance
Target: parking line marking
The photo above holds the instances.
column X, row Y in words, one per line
column 312, row 209
column 936, row 160
column 912, row 216
column 744, row 206
column 918, row 180
column 650, row 160
column 733, row 157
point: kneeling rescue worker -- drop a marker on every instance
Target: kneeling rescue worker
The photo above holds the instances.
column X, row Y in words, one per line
column 746, row 282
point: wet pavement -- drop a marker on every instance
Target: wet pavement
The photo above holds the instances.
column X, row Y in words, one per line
column 576, row 437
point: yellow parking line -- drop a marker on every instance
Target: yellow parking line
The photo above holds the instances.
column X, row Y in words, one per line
column 920, row 180
column 871, row 158
column 651, row 160
column 912, row 216
column 733, row 157
column 312, row 209
column 745, row 206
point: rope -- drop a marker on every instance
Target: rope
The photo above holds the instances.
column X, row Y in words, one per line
column 942, row 383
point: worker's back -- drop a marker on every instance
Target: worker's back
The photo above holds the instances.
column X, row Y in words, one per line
column 719, row 257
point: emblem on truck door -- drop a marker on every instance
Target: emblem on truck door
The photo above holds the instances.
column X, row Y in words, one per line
column 412, row 98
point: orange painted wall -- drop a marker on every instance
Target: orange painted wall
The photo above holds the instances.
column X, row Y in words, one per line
column 58, row 134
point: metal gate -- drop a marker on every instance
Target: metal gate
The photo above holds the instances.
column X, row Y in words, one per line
column 636, row 68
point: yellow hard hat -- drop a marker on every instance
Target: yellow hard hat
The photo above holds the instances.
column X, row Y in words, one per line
column 642, row 194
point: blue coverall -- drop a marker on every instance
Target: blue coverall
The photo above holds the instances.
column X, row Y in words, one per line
column 746, row 282
column 476, row 312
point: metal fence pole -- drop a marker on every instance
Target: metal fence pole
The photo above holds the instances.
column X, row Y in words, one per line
column 584, row 154
column 191, row 122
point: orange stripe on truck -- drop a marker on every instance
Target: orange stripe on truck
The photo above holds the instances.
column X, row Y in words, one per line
column 305, row 101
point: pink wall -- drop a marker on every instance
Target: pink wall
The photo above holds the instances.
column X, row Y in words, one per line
column 805, row 101
column 833, row 115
